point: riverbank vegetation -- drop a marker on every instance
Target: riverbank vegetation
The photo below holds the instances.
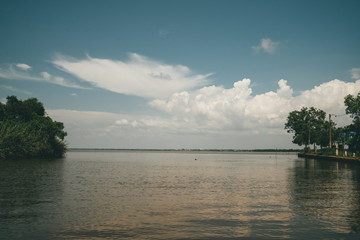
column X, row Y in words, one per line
column 27, row 132
column 310, row 127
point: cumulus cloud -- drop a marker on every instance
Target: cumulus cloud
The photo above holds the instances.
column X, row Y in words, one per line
column 355, row 73
column 215, row 107
column 236, row 108
column 266, row 45
column 139, row 75
column 209, row 117
column 12, row 72
column 122, row 122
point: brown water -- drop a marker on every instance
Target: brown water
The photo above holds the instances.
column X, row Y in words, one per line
column 170, row 195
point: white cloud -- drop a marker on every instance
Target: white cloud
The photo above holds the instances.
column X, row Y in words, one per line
column 11, row 72
column 109, row 130
column 60, row 81
column 235, row 108
column 23, row 66
column 215, row 107
column 46, row 76
column 210, row 117
column 139, row 75
column 328, row 96
column 122, row 122
column 266, row 45
column 355, row 73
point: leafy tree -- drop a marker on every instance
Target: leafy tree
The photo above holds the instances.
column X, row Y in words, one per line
column 309, row 127
column 323, row 135
column 2, row 112
column 21, row 110
column 352, row 104
column 25, row 131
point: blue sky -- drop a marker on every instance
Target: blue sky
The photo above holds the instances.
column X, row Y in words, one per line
column 179, row 74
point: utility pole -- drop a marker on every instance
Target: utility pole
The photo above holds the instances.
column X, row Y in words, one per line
column 330, row 130
column 309, row 137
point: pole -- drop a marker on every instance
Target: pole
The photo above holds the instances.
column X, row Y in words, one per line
column 330, row 130
column 309, row 138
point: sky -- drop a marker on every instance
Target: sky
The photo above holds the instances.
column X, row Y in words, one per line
column 180, row 74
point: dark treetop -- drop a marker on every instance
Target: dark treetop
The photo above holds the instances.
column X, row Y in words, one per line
column 27, row 132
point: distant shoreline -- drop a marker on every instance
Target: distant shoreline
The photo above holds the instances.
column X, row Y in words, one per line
column 187, row 150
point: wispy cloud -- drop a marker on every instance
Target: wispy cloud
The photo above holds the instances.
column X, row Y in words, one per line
column 355, row 73
column 13, row 71
column 266, row 45
column 13, row 89
column 139, row 75
column 20, row 72
column 164, row 33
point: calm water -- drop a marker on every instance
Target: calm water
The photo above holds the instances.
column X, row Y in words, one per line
column 170, row 195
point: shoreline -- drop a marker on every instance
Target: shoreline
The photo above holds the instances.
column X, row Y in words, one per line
column 188, row 150
column 352, row 160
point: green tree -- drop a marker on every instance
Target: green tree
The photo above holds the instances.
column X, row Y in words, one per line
column 352, row 104
column 25, row 131
column 309, row 127
column 21, row 110
column 323, row 134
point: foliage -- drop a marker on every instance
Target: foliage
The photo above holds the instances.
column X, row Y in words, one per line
column 309, row 127
column 25, row 131
column 323, row 136
column 352, row 104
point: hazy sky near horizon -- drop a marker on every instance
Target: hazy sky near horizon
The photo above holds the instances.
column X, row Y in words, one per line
column 180, row 74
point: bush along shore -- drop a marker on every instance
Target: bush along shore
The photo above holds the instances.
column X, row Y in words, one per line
column 27, row 132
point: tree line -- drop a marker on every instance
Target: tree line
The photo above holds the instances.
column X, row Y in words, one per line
column 27, row 132
column 310, row 126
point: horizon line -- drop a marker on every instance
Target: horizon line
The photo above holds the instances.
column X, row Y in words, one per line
column 190, row 149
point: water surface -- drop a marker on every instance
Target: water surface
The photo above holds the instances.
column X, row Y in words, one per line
column 170, row 195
